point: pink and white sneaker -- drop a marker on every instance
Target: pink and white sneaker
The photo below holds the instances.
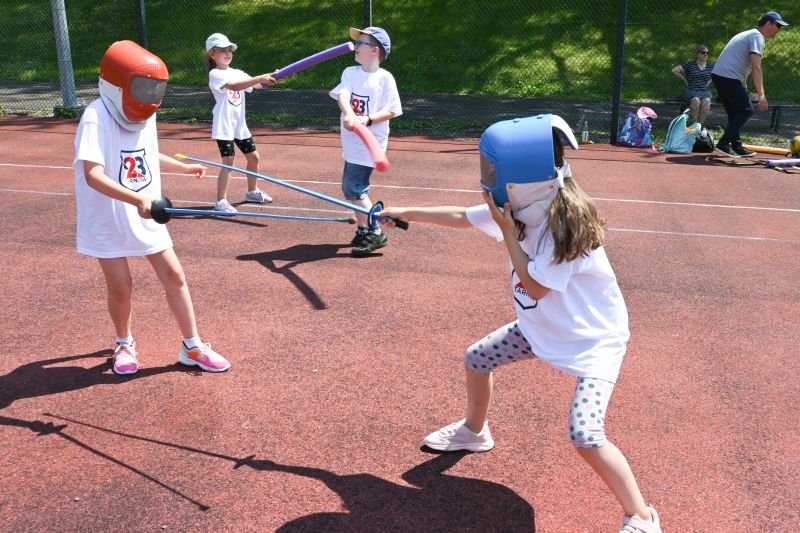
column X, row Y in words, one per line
column 126, row 360
column 204, row 357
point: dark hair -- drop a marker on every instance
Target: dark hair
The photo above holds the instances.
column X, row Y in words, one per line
column 558, row 148
column 768, row 17
column 209, row 63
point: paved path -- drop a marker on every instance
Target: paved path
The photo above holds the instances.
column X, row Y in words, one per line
column 453, row 114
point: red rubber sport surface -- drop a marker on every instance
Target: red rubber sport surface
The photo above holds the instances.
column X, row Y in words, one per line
column 342, row 365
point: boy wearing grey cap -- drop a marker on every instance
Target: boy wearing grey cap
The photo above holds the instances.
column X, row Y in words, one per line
column 367, row 94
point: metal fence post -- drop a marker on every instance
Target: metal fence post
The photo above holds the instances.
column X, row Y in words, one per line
column 367, row 13
column 618, row 60
column 66, row 75
column 142, row 23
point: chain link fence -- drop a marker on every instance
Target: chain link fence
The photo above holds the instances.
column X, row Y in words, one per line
column 460, row 66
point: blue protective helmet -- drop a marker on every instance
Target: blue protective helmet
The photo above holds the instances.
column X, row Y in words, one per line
column 520, row 151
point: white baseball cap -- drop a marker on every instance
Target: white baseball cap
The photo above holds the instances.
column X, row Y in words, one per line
column 217, row 40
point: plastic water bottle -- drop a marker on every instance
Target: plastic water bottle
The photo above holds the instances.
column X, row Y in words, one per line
column 585, row 132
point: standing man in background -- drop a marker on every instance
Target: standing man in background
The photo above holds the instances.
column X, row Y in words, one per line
column 740, row 58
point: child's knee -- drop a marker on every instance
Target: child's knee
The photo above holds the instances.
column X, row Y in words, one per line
column 477, row 362
column 586, row 431
column 120, row 292
column 252, row 157
column 581, row 438
column 175, row 280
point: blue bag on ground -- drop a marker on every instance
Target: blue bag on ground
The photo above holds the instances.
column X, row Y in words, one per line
column 680, row 136
column 636, row 128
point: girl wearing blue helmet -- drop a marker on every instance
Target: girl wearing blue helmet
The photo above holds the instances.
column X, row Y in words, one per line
column 570, row 310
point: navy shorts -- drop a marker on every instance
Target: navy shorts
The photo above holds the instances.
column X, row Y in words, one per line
column 355, row 181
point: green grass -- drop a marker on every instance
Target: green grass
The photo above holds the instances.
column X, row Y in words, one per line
column 481, row 47
column 509, row 48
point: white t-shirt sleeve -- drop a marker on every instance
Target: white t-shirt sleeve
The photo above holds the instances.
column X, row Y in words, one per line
column 217, row 80
column 392, row 103
column 480, row 217
column 88, row 140
column 757, row 43
column 344, row 84
column 542, row 268
column 545, row 271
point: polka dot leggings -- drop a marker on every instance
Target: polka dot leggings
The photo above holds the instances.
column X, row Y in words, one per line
column 589, row 401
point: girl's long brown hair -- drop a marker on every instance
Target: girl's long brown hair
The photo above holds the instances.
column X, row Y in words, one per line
column 209, row 63
column 574, row 221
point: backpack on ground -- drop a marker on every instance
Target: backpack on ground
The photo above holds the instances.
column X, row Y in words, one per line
column 704, row 144
column 635, row 130
column 680, row 136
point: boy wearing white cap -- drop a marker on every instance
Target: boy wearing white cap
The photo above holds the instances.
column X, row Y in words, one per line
column 229, row 86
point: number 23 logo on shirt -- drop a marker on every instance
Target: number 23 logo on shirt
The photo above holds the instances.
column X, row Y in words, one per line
column 235, row 98
column 360, row 104
column 134, row 173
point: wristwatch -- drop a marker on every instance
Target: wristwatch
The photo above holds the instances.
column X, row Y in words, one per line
column 369, row 120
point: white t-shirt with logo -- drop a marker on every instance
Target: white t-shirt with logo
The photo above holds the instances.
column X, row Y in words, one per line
column 109, row 228
column 229, row 109
column 581, row 325
column 369, row 93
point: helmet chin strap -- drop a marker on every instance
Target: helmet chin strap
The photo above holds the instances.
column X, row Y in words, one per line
column 562, row 173
column 112, row 99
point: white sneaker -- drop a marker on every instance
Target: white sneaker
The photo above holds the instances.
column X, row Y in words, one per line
column 224, row 206
column 257, row 196
column 457, row 436
column 634, row 524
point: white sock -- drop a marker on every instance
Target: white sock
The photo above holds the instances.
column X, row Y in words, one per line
column 125, row 340
column 192, row 342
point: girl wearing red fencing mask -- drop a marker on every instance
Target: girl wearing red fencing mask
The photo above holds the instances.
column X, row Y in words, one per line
column 117, row 170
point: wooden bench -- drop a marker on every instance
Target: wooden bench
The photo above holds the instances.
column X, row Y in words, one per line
column 774, row 108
